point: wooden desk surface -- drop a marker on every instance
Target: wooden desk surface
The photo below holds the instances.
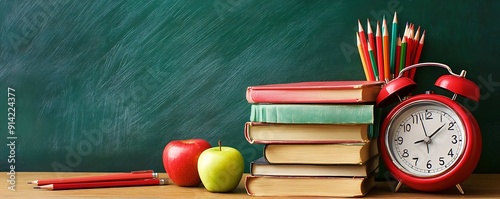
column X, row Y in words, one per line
column 477, row 186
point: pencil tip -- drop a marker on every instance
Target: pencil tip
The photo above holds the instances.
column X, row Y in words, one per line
column 37, row 187
column 30, row 182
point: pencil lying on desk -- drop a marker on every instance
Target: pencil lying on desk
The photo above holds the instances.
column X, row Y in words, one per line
column 111, row 177
column 87, row 185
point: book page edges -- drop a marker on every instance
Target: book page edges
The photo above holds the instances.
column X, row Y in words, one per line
column 364, row 186
column 365, row 151
column 270, row 130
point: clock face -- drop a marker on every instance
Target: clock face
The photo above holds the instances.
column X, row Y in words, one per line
column 425, row 138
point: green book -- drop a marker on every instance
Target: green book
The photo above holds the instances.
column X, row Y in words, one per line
column 313, row 113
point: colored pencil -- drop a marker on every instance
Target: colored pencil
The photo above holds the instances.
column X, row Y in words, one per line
column 415, row 44
column 360, row 50
column 86, row 185
column 362, row 38
column 111, row 177
column 394, row 42
column 371, row 39
column 409, row 46
column 415, row 41
column 402, row 59
column 385, row 46
column 380, row 60
column 374, row 63
column 398, row 52
column 384, row 55
column 417, row 55
column 419, row 49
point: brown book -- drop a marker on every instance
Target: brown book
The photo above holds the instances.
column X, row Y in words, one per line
column 273, row 133
column 308, row 186
column 340, row 153
column 315, row 92
column 261, row 167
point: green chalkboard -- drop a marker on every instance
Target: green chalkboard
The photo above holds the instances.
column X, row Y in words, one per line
column 105, row 85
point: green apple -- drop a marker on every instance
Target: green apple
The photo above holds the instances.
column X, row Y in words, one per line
column 220, row 168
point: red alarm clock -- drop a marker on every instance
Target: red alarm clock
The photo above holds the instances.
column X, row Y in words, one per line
column 429, row 142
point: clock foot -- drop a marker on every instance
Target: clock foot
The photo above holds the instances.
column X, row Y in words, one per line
column 398, row 186
column 460, row 189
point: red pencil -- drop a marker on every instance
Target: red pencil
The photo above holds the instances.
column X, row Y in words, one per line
column 362, row 38
column 415, row 45
column 419, row 51
column 409, row 47
column 87, row 185
column 371, row 39
column 415, row 41
column 111, row 177
column 380, row 59
column 398, row 54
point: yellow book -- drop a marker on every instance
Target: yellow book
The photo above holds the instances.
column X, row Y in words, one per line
column 340, row 153
column 308, row 186
column 269, row 133
column 261, row 167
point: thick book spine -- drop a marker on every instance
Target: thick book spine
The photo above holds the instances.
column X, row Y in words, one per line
column 313, row 113
column 261, row 167
column 280, row 186
column 314, row 92
column 276, row 133
column 343, row 153
column 291, row 96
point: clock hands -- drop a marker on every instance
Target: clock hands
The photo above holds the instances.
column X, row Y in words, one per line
column 422, row 122
column 432, row 135
column 427, row 139
column 419, row 141
column 437, row 130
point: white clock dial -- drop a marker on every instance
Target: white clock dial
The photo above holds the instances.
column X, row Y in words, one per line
column 425, row 138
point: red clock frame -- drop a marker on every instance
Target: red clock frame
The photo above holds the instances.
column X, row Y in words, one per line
column 460, row 171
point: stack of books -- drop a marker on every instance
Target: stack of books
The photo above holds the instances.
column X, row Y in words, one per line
column 318, row 137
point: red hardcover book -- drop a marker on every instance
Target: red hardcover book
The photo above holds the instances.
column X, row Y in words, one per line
column 315, row 92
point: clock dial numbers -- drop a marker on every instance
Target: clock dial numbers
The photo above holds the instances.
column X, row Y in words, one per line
column 426, row 139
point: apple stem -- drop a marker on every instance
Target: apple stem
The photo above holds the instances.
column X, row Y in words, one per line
column 220, row 147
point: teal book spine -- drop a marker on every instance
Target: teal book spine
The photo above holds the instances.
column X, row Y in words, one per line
column 313, row 113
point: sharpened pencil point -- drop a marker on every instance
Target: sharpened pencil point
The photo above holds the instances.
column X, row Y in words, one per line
column 360, row 28
column 37, row 187
column 30, row 182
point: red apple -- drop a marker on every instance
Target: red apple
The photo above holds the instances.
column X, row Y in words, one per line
column 180, row 159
